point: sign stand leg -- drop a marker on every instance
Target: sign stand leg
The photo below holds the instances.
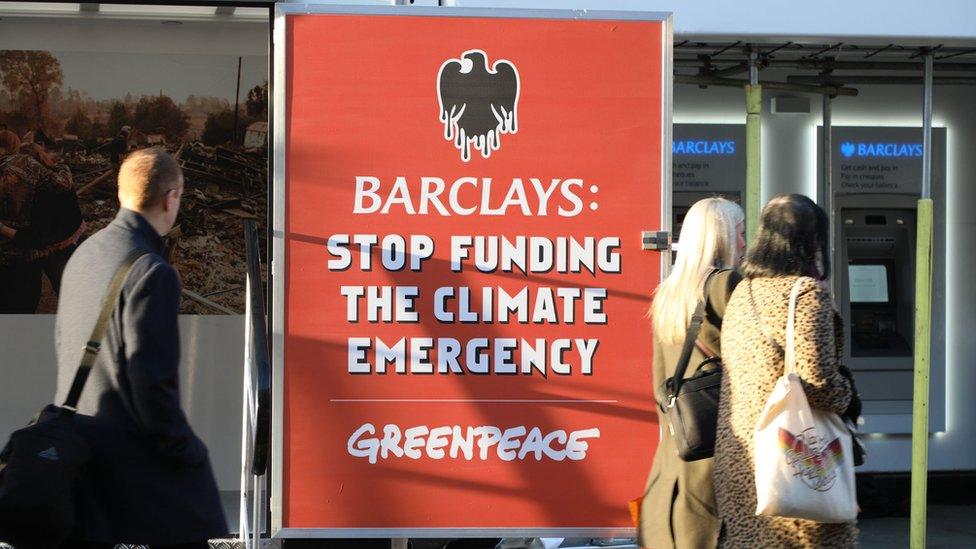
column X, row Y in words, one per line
column 399, row 543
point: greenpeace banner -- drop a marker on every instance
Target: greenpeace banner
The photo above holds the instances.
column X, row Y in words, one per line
column 465, row 341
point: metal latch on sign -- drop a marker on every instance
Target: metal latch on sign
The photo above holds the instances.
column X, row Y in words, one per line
column 656, row 240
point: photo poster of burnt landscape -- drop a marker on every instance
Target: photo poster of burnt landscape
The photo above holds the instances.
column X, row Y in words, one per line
column 84, row 111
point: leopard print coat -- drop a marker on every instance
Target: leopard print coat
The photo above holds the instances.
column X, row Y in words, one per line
column 752, row 364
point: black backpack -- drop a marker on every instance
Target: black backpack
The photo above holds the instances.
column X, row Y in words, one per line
column 40, row 462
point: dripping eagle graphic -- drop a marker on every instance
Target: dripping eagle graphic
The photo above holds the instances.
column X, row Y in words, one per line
column 477, row 103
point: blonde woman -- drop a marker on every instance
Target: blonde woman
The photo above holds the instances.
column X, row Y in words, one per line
column 678, row 510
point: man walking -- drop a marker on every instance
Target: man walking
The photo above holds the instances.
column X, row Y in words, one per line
column 149, row 480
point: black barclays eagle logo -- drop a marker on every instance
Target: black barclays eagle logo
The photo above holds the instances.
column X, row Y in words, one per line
column 477, row 104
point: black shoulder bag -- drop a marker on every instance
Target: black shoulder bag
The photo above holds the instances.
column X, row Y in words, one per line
column 40, row 462
column 691, row 405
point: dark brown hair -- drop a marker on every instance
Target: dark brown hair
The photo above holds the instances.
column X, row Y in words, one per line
column 792, row 239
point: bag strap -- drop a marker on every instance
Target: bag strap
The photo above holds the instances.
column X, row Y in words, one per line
column 98, row 332
column 696, row 321
column 790, row 353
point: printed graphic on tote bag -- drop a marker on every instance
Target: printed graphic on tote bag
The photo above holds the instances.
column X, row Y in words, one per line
column 477, row 104
column 813, row 460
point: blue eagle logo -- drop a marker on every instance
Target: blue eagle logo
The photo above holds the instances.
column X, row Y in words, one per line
column 847, row 149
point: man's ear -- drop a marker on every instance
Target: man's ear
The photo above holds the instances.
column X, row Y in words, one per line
column 171, row 200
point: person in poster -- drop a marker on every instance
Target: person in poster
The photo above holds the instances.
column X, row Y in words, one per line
column 40, row 223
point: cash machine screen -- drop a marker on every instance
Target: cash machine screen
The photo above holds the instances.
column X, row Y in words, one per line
column 868, row 283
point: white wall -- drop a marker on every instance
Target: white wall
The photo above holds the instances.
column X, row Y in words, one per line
column 789, row 165
column 212, row 349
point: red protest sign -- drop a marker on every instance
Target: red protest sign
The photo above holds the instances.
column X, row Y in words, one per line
column 464, row 336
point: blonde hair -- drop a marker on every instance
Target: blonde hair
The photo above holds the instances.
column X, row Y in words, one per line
column 146, row 176
column 707, row 241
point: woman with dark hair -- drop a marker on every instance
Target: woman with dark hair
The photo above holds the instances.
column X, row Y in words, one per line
column 791, row 243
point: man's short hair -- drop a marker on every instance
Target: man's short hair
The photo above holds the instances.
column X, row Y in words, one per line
column 147, row 175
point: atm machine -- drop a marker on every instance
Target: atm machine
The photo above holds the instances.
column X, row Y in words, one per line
column 876, row 186
column 681, row 202
column 707, row 160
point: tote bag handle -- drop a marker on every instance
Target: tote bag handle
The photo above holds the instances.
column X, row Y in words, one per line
column 790, row 358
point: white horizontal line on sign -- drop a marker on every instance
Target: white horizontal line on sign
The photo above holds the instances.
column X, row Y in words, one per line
column 487, row 400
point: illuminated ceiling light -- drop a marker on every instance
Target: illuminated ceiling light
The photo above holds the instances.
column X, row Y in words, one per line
column 147, row 10
column 38, row 7
column 251, row 13
column 136, row 11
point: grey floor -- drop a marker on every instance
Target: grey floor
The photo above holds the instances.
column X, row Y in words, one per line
column 948, row 527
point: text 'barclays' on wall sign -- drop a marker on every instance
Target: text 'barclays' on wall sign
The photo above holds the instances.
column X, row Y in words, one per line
column 692, row 147
column 881, row 159
column 850, row 149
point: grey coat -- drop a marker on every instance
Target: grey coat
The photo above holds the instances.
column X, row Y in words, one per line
column 150, row 480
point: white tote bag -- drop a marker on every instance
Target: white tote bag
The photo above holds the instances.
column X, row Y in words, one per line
column 804, row 464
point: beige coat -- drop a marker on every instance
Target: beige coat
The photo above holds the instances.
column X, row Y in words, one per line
column 752, row 365
column 678, row 510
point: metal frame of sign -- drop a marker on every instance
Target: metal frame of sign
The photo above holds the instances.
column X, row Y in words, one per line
column 282, row 11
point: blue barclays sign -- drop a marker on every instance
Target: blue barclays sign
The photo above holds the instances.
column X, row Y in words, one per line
column 702, row 147
column 880, row 150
